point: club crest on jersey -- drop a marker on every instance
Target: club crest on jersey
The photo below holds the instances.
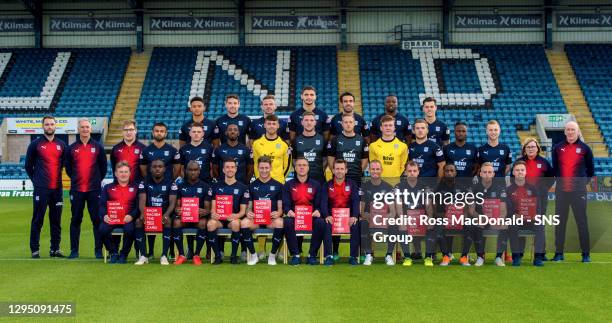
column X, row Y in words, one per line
column 317, row 117
column 358, row 143
column 578, row 150
column 278, row 146
column 501, row 151
column 395, row 146
column 317, row 142
column 468, row 152
column 240, row 151
column 272, row 188
column 309, row 190
column 425, row 149
column 539, row 165
column 493, row 194
column 58, row 147
column 136, row 151
column 163, row 188
column 240, row 123
column 203, row 151
column 398, row 122
column 347, row 188
column 199, row 190
column 437, row 128
column 236, row 191
column 93, row 150
column 205, row 128
column 131, row 189
column 166, row 153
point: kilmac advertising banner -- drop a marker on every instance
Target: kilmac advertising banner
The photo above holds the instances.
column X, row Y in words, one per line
column 9, row 25
column 192, row 23
column 499, row 21
column 570, row 20
column 97, row 24
column 294, row 22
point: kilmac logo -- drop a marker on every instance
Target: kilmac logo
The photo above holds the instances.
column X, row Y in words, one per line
column 433, row 79
column 208, row 60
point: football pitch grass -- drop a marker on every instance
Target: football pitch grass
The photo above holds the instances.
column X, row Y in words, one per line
column 568, row 291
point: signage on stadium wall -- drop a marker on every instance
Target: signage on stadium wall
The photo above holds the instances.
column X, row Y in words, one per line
column 570, row 20
column 192, row 23
column 33, row 126
column 11, row 25
column 554, row 121
column 294, row 22
column 499, row 21
column 96, row 24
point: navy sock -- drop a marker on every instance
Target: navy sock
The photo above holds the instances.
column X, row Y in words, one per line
column 151, row 240
column 277, row 237
column 213, row 241
column 200, row 238
column 139, row 241
column 177, row 236
column 167, row 238
column 190, row 240
column 235, row 243
column 222, row 243
column 247, row 238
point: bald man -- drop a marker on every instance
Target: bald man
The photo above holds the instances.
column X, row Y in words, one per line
column 572, row 162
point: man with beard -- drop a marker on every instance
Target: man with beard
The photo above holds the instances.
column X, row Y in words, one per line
column 403, row 130
column 232, row 116
column 309, row 97
column 232, row 149
column 461, row 153
column 257, row 128
column 361, row 127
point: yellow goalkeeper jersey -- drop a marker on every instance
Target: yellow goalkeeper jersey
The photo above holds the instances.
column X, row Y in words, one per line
column 392, row 154
column 278, row 151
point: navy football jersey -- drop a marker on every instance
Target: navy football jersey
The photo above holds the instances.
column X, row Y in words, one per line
column 352, row 150
column 499, row 156
column 313, row 148
column 167, row 153
column 256, row 129
column 242, row 121
column 239, row 191
column 464, row 158
column 199, row 189
column 240, row 153
column 427, row 155
column 402, row 126
column 207, row 124
column 201, row 154
column 438, row 132
column 361, row 126
column 158, row 194
column 271, row 190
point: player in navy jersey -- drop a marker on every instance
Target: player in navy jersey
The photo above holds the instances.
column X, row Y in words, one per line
column 232, row 116
column 192, row 186
column 414, row 185
column 257, row 129
column 159, row 149
column 493, row 191
column 304, row 191
column 125, row 192
column 238, row 193
column 156, row 191
column 197, row 108
column 572, row 161
column 86, row 166
column 518, row 192
column 232, row 149
column 351, row 147
column 43, row 164
column 495, row 152
column 403, row 130
column 312, row 146
column 367, row 192
column 426, row 153
column 129, row 150
column 198, row 150
column 265, row 188
column 362, row 128
column 309, row 97
column 461, row 153
column 438, row 131
column 344, row 193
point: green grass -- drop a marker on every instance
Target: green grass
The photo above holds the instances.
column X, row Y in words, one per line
column 569, row 291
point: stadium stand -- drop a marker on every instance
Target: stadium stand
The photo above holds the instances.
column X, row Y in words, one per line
column 522, row 79
column 176, row 74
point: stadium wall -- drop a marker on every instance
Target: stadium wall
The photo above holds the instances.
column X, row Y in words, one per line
column 377, row 26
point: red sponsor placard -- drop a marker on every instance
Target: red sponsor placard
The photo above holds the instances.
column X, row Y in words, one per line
column 527, row 208
column 224, row 206
column 491, row 208
column 418, row 229
column 115, row 212
column 153, row 219
column 190, row 209
column 340, row 222
column 453, row 216
column 380, row 213
column 303, row 218
column 262, row 209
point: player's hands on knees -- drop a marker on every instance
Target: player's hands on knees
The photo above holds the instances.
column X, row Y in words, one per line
column 250, row 215
column 106, row 218
column 352, row 221
column 128, row 218
column 316, row 214
column 165, row 220
column 275, row 214
column 291, row 214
